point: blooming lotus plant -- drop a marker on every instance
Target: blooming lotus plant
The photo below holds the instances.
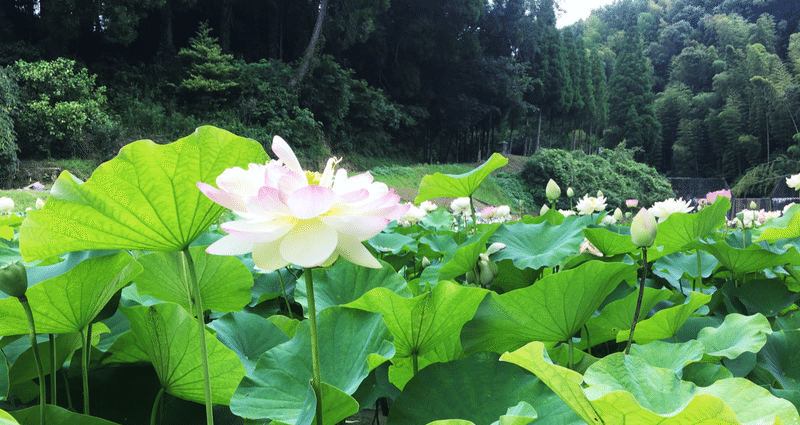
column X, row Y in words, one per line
column 589, row 204
column 460, row 206
column 662, row 210
column 292, row 216
column 6, row 205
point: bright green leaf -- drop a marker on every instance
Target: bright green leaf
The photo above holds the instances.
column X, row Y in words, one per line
column 736, row 335
column 7, row 419
column 540, row 245
column 146, row 198
column 456, row 186
column 610, row 243
column 69, row 302
column 681, row 229
column 248, row 335
column 667, row 322
column 792, row 229
column 740, row 261
column 421, row 323
column 168, row 335
column 552, row 310
column 466, row 257
column 224, row 281
column 667, row 355
column 55, row 416
column 618, row 315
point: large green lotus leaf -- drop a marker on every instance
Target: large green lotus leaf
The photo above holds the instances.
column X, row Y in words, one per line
column 55, row 416
column 466, row 257
column 224, row 281
column 705, row 374
column 248, row 335
column 667, row 355
column 667, row 322
column 69, row 302
column 552, row 310
column 619, row 385
column 509, row 277
column 539, row 245
column 267, row 286
column 146, row 198
column 610, row 243
column 168, row 335
column 421, row 323
column 402, row 369
column 790, row 230
column 781, row 356
column 436, row 245
column 278, row 387
column 441, row 185
column 754, row 258
column 618, row 315
column 736, row 335
column 521, row 414
column 674, row 266
column 24, row 368
column 563, row 382
column 766, row 296
column 479, row 389
column 680, row 229
column 393, row 242
column 7, row 419
column 346, row 282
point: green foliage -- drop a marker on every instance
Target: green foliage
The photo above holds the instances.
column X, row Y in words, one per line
column 209, row 83
column 759, row 181
column 8, row 146
column 615, row 173
column 63, row 112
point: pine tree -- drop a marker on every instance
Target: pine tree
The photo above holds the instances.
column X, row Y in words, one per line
column 210, row 81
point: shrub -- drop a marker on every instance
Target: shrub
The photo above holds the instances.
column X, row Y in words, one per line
column 8, row 147
column 759, row 181
column 615, row 173
column 62, row 110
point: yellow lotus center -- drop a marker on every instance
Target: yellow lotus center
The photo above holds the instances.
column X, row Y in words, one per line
column 313, row 177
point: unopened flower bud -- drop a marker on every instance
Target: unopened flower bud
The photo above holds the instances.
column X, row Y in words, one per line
column 599, row 193
column 753, row 205
column 425, row 262
column 643, row 229
column 552, row 190
column 544, row 209
column 14, row 279
column 570, row 192
column 618, row 214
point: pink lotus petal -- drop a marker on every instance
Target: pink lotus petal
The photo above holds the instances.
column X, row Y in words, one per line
column 227, row 200
column 267, row 256
column 286, row 154
column 310, row 201
column 270, row 202
column 230, row 245
column 354, row 196
column 258, row 231
column 309, row 244
column 360, row 227
column 354, row 251
column 291, row 181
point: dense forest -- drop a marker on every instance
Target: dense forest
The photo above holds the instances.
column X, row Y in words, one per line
column 707, row 88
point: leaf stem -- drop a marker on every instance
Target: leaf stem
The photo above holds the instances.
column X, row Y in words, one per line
column 316, row 383
column 53, row 387
column 35, row 347
column 638, row 301
column 156, row 404
column 86, row 335
column 472, row 211
column 571, row 361
column 197, row 303
column 285, row 297
column 414, row 363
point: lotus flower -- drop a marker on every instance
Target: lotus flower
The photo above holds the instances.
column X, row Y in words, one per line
column 589, row 204
column 301, row 217
column 662, row 210
column 460, row 206
column 793, row 181
column 6, row 205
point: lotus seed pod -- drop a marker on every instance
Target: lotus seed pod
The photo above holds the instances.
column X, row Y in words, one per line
column 643, row 229
column 552, row 190
column 14, row 279
column 570, row 192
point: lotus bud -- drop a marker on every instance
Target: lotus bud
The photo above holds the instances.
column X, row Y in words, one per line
column 552, row 190
column 599, row 193
column 495, row 247
column 570, row 192
column 39, row 203
column 425, row 262
column 14, row 279
column 753, row 205
column 643, row 229
column 618, row 214
column 544, row 209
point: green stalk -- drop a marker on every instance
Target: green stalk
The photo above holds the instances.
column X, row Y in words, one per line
column 285, row 297
column 699, row 279
column 32, row 334
column 316, row 383
column 472, row 211
column 571, row 361
column 85, row 344
column 156, row 404
column 639, row 301
column 197, row 302
column 53, row 370
column 414, row 363
column 66, row 387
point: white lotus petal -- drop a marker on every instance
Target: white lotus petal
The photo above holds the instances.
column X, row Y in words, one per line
column 230, row 245
column 258, row 231
column 309, row 244
column 228, row 200
column 360, row 227
column 355, row 252
column 267, row 256
column 286, row 154
column 310, row 201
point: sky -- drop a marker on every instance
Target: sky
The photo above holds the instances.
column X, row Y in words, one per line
column 577, row 10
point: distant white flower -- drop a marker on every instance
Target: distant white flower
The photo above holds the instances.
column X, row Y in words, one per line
column 786, row 208
column 566, row 213
column 589, row 204
column 428, row 206
column 6, row 205
column 412, row 216
column 793, row 182
column 39, row 203
column 503, row 212
column 608, row 220
column 662, row 210
column 460, row 206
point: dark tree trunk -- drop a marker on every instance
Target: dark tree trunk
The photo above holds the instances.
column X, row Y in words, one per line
column 225, row 27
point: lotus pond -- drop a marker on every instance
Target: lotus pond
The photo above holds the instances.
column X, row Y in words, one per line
column 462, row 323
